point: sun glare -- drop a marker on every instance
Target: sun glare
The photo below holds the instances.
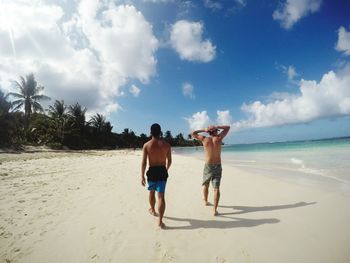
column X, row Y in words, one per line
column 7, row 23
column 7, row 18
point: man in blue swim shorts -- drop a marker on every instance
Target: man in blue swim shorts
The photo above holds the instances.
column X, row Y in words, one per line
column 212, row 168
column 158, row 153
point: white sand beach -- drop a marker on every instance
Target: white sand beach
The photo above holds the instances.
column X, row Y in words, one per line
column 90, row 207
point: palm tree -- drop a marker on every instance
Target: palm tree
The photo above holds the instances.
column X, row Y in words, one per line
column 98, row 121
column 169, row 137
column 58, row 109
column 179, row 139
column 108, row 127
column 5, row 105
column 11, row 123
column 129, row 138
column 76, row 127
column 29, row 96
column 58, row 115
column 77, row 116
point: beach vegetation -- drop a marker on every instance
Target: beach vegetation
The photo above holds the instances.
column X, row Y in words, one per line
column 29, row 95
column 24, row 121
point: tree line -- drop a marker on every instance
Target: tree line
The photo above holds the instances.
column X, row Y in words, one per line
column 23, row 121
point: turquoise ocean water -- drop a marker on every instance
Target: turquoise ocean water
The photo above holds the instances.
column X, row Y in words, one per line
column 326, row 160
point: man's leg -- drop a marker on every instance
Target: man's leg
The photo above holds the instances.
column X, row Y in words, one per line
column 161, row 208
column 152, row 202
column 205, row 194
column 216, row 200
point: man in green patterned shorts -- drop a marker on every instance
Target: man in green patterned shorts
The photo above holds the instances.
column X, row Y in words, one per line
column 212, row 168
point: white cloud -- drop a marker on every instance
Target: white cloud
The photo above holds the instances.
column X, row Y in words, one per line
column 230, row 6
column 187, row 90
column 343, row 44
column 241, row 2
column 328, row 98
column 87, row 54
column 199, row 120
column 159, row 1
column 135, row 90
column 224, row 117
column 291, row 73
column 123, row 38
column 292, row 11
column 186, row 39
column 213, row 5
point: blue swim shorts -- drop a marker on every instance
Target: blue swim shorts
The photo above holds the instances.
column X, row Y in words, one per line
column 158, row 186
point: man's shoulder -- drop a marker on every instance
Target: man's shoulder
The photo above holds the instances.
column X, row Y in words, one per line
column 165, row 143
column 146, row 144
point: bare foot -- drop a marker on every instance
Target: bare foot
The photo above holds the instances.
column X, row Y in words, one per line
column 216, row 213
column 162, row 226
column 206, row 203
column 152, row 212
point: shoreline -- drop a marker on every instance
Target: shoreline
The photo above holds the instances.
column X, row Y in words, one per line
column 298, row 166
column 91, row 207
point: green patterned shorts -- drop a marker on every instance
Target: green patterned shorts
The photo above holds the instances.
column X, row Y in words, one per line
column 212, row 172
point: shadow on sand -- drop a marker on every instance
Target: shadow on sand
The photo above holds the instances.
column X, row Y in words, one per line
column 250, row 209
column 235, row 222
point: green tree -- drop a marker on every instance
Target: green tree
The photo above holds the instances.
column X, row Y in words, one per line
column 58, row 115
column 5, row 105
column 98, row 121
column 76, row 116
column 179, row 140
column 129, row 138
column 29, row 96
column 39, row 130
column 76, row 137
column 169, row 137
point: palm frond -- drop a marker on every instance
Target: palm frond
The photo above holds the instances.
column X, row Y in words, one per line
column 16, row 107
column 41, row 97
column 16, row 95
column 37, row 107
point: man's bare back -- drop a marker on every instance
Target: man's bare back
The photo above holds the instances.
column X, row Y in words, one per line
column 157, row 151
column 212, row 147
column 212, row 144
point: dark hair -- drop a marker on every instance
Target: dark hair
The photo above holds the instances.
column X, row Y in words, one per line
column 156, row 130
column 213, row 131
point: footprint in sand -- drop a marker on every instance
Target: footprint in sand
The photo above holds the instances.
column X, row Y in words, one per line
column 5, row 234
column 16, row 250
column 92, row 230
column 246, row 255
column 162, row 255
column 167, row 257
column 220, row 260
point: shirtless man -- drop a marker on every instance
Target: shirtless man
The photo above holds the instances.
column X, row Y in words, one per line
column 212, row 168
column 158, row 153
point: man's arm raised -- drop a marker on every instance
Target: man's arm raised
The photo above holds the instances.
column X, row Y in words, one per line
column 196, row 135
column 225, row 129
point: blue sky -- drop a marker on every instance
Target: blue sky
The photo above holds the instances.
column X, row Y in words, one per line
column 273, row 70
